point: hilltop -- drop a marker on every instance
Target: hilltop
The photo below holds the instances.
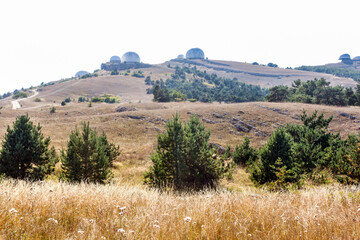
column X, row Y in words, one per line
column 133, row 89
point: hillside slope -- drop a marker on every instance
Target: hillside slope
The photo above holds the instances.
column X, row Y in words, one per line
column 133, row 89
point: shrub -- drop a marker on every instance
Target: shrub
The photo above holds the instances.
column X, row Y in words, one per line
column 63, row 103
column 82, row 99
column 184, row 159
column 25, row 154
column 244, row 154
column 52, row 110
column 138, row 74
column 67, row 100
column 88, row 157
column 114, row 72
column 20, row 95
column 37, row 100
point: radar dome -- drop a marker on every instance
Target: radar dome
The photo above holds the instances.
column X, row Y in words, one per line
column 81, row 73
column 195, row 53
column 345, row 57
column 130, row 57
column 180, row 56
column 115, row 59
column 356, row 58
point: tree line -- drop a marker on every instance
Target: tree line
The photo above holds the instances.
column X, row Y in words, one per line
column 339, row 72
column 316, row 91
column 185, row 160
column 195, row 85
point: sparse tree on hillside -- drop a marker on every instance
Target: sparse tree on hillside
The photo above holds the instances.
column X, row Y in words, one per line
column 183, row 158
column 25, row 154
column 88, row 157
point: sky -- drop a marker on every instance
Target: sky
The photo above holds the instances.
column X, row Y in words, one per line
column 47, row 40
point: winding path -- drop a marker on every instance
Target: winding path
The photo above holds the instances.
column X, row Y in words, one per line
column 16, row 104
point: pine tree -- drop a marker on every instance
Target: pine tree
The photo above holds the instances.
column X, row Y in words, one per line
column 89, row 157
column 244, row 154
column 183, row 158
column 25, row 154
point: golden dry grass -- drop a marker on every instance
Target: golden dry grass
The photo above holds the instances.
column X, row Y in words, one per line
column 239, row 211
column 51, row 210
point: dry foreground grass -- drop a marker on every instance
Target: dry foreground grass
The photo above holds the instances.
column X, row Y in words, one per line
column 128, row 210
column 62, row 211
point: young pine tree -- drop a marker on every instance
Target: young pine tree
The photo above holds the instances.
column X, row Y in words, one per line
column 89, row 157
column 25, row 154
column 183, row 158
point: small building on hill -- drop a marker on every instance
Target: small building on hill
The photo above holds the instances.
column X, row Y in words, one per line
column 115, row 59
column 81, row 73
column 195, row 53
column 345, row 58
column 130, row 60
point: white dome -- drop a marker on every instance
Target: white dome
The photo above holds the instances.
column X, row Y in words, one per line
column 115, row 59
column 130, row 57
column 180, row 56
column 81, row 73
column 195, row 53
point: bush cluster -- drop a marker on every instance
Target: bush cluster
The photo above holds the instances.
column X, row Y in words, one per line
column 26, row 154
column 204, row 87
column 296, row 153
column 316, row 91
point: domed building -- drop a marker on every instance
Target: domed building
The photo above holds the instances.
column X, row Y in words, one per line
column 181, row 56
column 195, row 53
column 130, row 57
column 345, row 58
column 115, row 59
column 356, row 59
column 81, row 73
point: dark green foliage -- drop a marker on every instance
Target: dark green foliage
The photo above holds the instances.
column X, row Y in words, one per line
column 184, row 159
column 278, row 94
column 204, row 87
column 114, row 72
column 316, row 91
column 161, row 94
column 63, row 103
column 272, row 65
column 52, row 110
column 340, row 72
column 82, row 99
column 244, row 154
column 88, row 157
column 89, row 75
column 25, row 153
column 278, row 148
column 67, row 100
column 295, row 151
column 148, row 80
column 138, row 74
column 20, row 95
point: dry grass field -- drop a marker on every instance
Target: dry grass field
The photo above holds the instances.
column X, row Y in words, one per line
column 53, row 210
column 126, row 209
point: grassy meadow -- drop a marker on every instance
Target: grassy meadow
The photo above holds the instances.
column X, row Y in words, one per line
column 126, row 209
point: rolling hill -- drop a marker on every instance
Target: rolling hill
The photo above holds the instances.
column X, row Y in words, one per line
column 133, row 89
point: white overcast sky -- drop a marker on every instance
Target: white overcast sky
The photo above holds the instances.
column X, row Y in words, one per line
column 46, row 40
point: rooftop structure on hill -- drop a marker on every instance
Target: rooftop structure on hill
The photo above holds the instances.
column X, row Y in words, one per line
column 345, row 58
column 355, row 59
column 130, row 57
column 81, row 73
column 195, row 53
column 115, row 59
column 128, row 61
